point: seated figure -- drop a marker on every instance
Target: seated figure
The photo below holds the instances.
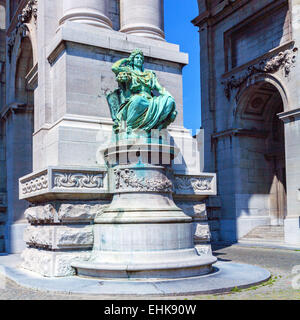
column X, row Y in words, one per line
column 140, row 102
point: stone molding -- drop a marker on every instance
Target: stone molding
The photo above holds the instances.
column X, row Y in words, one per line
column 53, row 181
column 73, row 33
column 284, row 60
column 56, row 183
column 290, row 116
column 259, row 134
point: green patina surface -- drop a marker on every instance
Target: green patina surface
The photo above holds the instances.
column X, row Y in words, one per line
column 140, row 102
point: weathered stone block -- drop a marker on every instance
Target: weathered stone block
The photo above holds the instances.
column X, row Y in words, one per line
column 193, row 209
column 202, row 232
column 38, row 214
column 204, row 249
column 52, row 264
column 66, row 213
column 59, row 237
column 79, row 212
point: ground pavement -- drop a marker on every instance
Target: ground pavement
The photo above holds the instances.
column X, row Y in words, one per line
column 279, row 262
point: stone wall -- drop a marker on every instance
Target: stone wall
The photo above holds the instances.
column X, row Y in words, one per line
column 243, row 45
column 255, row 39
column 2, row 128
column 78, row 99
column 59, row 233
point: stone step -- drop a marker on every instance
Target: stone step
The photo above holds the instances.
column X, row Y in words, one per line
column 274, row 233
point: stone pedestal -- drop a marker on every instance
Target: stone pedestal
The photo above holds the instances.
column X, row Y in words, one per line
column 142, row 18
column 67, row 168
column 93, row 12
column 143, row 234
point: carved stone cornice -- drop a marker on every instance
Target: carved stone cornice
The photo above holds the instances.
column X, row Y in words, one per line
column 284, row 60
column 29, row 12
column 69, row 183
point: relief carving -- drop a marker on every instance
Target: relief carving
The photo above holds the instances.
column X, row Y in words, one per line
column 127, row 179
column 29, row 12
column 285, row 60
column 193, row 184
column 78, row 180
column 35, row 184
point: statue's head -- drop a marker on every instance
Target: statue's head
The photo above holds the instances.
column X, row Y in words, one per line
column 137, row 59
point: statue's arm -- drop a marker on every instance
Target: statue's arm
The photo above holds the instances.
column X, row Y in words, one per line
column 120, row 65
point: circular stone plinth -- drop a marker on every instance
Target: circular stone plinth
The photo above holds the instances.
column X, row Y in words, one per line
column 226, row 276
column 168, row 264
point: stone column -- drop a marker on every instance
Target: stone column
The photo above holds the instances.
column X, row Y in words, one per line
column 93, row 12
column 143, row 18
column 292, row 135
column 291, row 119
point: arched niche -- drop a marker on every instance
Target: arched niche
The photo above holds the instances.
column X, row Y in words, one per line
column 262, row 144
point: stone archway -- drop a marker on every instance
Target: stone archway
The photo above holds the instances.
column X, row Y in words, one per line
column 257, row 113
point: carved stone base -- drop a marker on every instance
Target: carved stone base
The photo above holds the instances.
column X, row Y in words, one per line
column 59, row 234
column 142, row 233
column 52, row 264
